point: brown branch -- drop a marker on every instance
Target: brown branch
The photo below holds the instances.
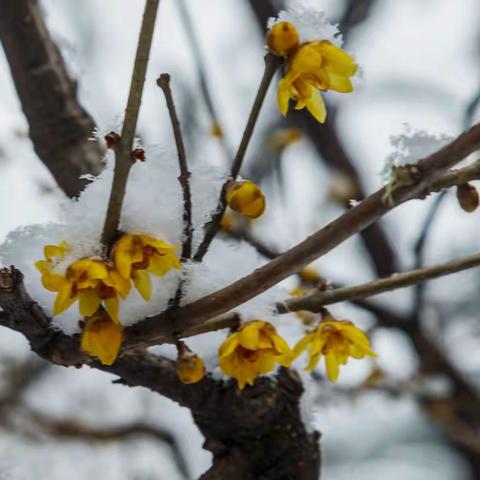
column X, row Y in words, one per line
column 231, row 421
column 60, row 128
column 123, row 152
column 417, row 180
column 272, row 64
column 316, row 301
column 164, row 83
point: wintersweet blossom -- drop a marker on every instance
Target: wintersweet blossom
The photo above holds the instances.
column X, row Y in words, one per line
column 102, row 338
column 253, row 350
column 137, row 255
column 336, row 340
column 91, row 281
column 245, row 197
column 313, row 67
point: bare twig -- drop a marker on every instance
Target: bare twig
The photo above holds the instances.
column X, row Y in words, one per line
column 315, row 301
column 164, row 83
column 272, row 64
column 123, row 154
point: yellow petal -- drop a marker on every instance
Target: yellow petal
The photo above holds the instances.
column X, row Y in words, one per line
column 302, row 344
column 143, row 284
column 337, row 60
column 88, row 303
column 340, row 83
column 51, row 251
column 53, row 282
column 229, row 345
column 284, row 94
column 64, row 299
column 249, row 336
column 112, row 307
column 102, row 338
column 332, row 367
column 161, row 264
column 316, row 106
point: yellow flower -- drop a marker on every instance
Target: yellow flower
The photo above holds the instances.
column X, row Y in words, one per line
column 90, row 281
column 336, row 340
column 253, row 350
column 312, row 67
column 245, row 197
column 53, row 255
column 102, row 338
column 282, row 38
column 137, row 255
column 190, row 368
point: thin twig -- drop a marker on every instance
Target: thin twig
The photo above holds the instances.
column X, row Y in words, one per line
column 123, row 153
column 317, row 300
column 164, row 83
column 272, row 64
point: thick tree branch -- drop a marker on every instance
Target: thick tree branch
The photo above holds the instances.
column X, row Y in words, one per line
column 417, row 180
column 60, row 128
column 259, row 428
column 123, row 150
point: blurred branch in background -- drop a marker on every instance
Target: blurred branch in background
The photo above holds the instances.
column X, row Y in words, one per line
column 60, row 128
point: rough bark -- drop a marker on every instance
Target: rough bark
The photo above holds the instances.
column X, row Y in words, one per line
column 256, row 433
column 60, row 128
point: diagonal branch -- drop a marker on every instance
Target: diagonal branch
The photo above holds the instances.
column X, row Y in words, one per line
column 272, row 64
column 60, row 128
column 417, row 181
column 316, row 301
column 123, row 154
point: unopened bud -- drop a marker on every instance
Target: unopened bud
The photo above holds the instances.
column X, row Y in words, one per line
column 139, row 154
column 467, row 197
column 309, row 275
column 190, row 366
column 112, row 140
column 245, row 197
column 282, row 38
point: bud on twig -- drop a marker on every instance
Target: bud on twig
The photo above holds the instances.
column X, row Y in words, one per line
column 467, row 197
column 190, row 366
column 112, row 140
column 139, row 154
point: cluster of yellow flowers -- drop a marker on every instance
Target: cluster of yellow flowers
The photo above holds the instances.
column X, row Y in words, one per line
column 256, row 348
column 97, row 284
column 311, row 67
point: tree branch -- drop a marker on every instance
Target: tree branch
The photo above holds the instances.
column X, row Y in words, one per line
column 123, row 153
column 272, row 64
column 60, row 128
column 417, row 180
column 316, row 301
column 164, row 83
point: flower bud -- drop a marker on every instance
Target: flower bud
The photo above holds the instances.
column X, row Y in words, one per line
column 216, row 130
column 245, row 197
column 102, row 338
column 282, row 38
column 190, row 366
column 467, row 197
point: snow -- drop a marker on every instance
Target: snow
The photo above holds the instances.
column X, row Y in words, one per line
column 310, row 22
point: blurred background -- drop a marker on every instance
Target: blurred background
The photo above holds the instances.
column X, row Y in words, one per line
column 420, row 69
